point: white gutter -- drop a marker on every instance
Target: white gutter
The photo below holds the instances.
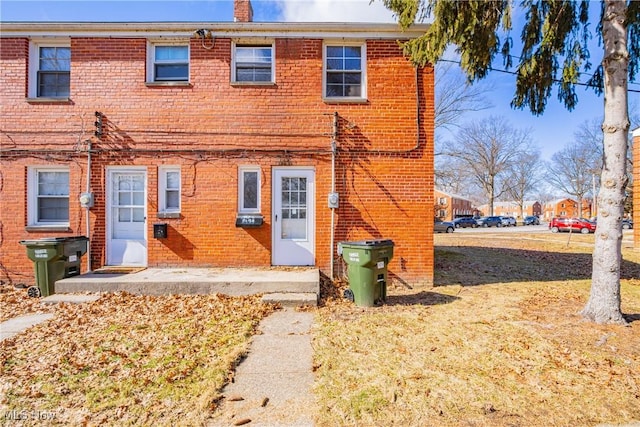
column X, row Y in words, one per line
column 217, row 29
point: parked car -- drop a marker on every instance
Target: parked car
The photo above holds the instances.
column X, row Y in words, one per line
column 571, row 224
column 443, row 227
column 531, row 220
column 465, row 222
column 489, row 221
column 627, row 224
column 508, row 221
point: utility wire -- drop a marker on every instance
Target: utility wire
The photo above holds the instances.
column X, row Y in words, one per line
column 499, row 70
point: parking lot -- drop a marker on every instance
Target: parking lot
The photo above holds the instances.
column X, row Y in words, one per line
column 518, row 229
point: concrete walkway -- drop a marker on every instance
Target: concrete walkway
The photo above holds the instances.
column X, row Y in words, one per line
column 14, row 326
column 272, row 386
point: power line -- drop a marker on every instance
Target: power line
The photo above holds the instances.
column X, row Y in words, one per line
column 513, row 73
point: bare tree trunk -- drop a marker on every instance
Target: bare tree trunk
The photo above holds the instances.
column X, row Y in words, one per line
column 603, row 305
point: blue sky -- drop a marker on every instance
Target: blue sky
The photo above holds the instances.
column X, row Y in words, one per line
column 552, row 130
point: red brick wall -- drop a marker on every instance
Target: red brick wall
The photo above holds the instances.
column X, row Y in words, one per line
column 384, row 169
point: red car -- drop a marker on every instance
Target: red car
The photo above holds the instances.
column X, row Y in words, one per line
column 576, row 225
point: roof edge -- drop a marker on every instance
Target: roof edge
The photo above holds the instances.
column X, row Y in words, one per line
column 127, row 29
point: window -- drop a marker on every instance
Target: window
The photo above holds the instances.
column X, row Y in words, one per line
column 50, row 70
column 443, row 201
column 344, row 71
column 249, row 189
column 253, row 64
column 442, row 213
column 168, row 63
column 169, row 189
column 48, row 196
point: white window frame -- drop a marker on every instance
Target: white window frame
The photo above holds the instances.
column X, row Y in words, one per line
column 363, row 70
column 151, row 60
column 32, row 197
column 257, row 44
column 241, row 171
column 34, row 64
column 163, row 172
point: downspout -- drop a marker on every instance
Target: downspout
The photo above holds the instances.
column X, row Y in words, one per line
column 334, row 136
column 87, row 219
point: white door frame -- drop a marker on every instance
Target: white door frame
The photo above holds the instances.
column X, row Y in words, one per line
column 295, row 251
column 141, row 245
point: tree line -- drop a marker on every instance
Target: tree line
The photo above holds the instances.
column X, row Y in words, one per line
column 490, row 160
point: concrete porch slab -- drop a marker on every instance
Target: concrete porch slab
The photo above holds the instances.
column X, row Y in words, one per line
column 305, row 282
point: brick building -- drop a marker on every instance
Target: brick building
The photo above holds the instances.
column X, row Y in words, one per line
column 529, row 208
column 251, row 144
column 567, row 208
column 450, row 206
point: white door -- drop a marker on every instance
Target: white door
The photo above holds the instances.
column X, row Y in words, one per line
column 293, row 216
column 127, row 218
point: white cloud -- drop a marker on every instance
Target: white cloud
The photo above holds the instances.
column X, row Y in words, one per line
column 335, row 11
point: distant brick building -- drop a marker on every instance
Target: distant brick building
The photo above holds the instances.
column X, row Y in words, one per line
column 530, row 208
column 251, row 144
column 450, row 206
column 567, row 208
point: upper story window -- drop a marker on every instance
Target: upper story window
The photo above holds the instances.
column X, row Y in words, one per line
column 50, row 70
column 48, row 196
column 253, row 63
column 344, row 71
column 169, row 189
column 168, row 62
column 249, row 189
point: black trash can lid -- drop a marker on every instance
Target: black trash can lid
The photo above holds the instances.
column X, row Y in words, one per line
column 369, row 243
column 49, row 240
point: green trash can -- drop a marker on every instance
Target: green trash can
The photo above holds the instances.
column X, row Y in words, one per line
column 367, row 262
column 54, row 258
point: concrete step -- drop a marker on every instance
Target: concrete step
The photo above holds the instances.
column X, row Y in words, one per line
column 302, row 283
column 292, row 299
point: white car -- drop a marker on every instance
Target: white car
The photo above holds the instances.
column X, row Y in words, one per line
column 508, row 221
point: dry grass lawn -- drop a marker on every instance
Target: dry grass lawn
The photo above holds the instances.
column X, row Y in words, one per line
column 498, row 342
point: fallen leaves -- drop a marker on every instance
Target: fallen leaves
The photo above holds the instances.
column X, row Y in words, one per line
column 15, row 302
column 129, row 359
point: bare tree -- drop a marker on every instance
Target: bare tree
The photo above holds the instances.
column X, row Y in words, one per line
column 591, row 137
column 455, row 96
column 523, row 177
column 488, row 149
column 571, row 170
column 453, row 176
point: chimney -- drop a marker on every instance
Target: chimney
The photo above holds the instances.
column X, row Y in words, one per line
column 242, row 11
